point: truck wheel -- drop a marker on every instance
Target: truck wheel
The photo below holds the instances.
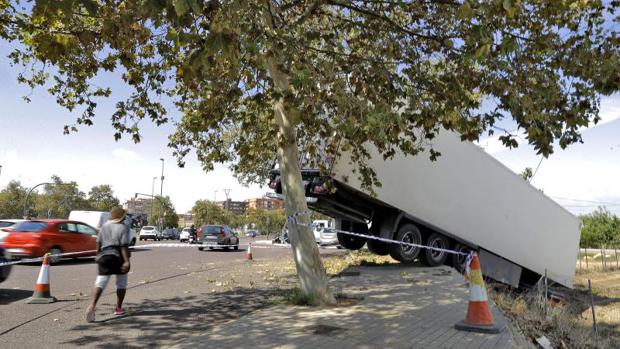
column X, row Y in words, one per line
column 351, row 242
column 378, row 247
column 433, row 258
column 457, row 261
column 403, row 253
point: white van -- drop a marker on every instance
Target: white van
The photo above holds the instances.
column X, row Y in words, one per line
column 97, row 219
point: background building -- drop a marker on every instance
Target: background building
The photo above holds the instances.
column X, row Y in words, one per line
column 186, row 219
column 235, row 207
column 139, row 206
column 264, row 204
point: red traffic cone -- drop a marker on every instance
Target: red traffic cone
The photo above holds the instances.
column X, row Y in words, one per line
column 479, row 317
column 41, row 293
column 248, row 254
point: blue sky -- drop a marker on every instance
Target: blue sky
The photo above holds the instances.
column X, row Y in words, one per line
column 32, row 148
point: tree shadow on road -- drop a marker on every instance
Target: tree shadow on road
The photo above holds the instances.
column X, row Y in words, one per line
column 166, row 321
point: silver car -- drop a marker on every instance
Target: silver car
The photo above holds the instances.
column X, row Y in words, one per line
column 216, row 236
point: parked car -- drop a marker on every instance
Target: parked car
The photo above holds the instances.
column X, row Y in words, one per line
column 317, row 229
column 35, row 238
column 4, row 255
column 168, row 234
column 212, row 236
column 251, row 234
column 184, row 236
column 150, row 232
column 7, row 223
column 5, row 270
column 329, row 238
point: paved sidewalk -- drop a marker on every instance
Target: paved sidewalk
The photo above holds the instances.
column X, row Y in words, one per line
column 402, row 307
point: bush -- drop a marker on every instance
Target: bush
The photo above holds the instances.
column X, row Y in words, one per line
column 600, row 228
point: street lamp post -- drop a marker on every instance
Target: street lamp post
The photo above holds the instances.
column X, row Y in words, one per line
column 152, row 194
column 161, row 194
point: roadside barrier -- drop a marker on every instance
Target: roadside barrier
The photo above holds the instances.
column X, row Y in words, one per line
column 42, row 293
column 479, row 317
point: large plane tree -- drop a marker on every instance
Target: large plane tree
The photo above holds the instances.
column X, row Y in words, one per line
column 250, row 79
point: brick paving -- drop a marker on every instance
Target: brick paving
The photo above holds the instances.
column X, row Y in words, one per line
column 401, row 307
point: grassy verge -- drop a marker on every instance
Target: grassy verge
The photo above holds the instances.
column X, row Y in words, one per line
column 568, row 323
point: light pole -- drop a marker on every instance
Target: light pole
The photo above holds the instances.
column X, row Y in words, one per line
column 161, row 194
column 30, row 192
column 227, row 204
column 152, row 194
column 215, row 196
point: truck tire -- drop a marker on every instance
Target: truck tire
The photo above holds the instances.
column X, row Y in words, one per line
column 457, row 261
column 433, row 258
column 378, row 247
column 351, row 242
column 403, row 253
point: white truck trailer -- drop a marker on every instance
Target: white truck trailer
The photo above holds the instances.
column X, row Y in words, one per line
column 466, row 200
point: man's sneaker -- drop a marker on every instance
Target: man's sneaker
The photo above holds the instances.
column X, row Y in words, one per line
column 90, row 314
column 119, row 311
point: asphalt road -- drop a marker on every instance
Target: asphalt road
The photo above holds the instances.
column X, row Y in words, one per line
column 173, row 292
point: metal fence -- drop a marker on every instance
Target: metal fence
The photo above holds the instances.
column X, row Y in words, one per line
column 602, row 258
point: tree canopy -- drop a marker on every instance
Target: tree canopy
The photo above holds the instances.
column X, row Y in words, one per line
column 170, row 217
column 57, row 200
column 358, row 71
column 600, row 228
column 12, row 200
column 101, row 198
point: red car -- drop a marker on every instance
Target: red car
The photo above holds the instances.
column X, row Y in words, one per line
column 35, row 238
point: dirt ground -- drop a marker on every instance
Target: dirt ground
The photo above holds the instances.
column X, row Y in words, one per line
column 567, row 319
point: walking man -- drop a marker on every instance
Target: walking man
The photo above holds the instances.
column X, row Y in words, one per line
column 112, row 259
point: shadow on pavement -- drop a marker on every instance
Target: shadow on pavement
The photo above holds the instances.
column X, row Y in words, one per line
column 8, row 296
column 166, row 321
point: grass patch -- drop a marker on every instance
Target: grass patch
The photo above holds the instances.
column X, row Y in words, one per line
column 335, row 265
column 294, row 296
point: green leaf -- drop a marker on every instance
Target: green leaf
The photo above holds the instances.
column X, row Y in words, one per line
column 181, row 7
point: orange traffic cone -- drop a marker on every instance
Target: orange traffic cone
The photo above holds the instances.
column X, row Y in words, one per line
column 479, row 317
column 41, row 293
column 248, row 254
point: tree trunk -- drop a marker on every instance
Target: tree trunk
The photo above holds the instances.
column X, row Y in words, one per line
column 310, row 269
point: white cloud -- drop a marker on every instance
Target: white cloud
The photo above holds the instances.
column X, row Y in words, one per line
column 610, row 110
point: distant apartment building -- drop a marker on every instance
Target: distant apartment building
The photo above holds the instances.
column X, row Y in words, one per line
column 186, row 219
column 139, row 206
column 235, row 207
column 264, row 204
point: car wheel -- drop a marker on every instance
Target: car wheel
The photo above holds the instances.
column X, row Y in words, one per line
column 54, row 251
column 378, row 247
column 236, row 248
column 210, row 248
column 433, row 258
column 403, row 253
column 133, row 242
column 201, row 248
